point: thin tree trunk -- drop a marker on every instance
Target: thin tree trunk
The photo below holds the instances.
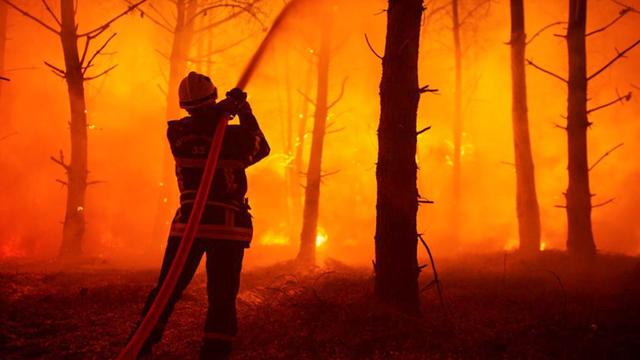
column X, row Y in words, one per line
column 307, row 252
column 74, row 224
column 396, row 264
column 3, row 41
column 292, row 188
column 180, row 51
column 457, row 123
column 302, row 127
column 580, row 235
column 526, row 198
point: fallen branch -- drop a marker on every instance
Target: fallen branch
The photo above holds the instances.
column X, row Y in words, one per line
column 605, row 155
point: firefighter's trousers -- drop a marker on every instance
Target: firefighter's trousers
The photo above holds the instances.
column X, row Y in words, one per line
column 224, row 263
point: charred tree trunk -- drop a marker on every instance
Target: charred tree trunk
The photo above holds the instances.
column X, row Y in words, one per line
column 182, row 39
column 3, row 41
column 396, row 264
column 580, row 235
column 74, row 224
column 307, row 252
column 457, row 122
column 526, row 198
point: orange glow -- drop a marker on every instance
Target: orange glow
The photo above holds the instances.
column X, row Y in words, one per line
column 321, row 237
column 127, row 141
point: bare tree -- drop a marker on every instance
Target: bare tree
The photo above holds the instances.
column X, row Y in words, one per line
column 396, row 239
column 578, row 205
column 307, row 252
column 75, row 73
column 526, row 197
column 460, row 17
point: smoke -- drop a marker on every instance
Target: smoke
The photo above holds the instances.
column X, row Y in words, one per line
column 126, row 137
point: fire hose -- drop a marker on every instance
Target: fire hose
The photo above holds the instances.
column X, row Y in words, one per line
column 142, row 333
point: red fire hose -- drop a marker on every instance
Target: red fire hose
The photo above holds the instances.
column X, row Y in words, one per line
column 150, row 320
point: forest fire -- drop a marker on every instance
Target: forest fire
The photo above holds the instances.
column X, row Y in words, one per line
column 319, row 154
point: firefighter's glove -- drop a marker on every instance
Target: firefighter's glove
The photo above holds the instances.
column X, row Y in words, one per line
column 239, row 98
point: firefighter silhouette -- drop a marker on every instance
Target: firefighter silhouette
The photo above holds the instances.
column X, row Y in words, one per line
column 226, row 229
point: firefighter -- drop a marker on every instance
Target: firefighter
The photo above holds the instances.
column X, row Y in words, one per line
column 225, row 230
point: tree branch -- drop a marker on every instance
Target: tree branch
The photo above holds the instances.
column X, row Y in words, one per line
column 306, row 97
column 95, row 54
column 337, row 100
column 244, row 8
column 25, row 13
column 366, row 38
column 620, row 99
column 143, row 13
column 543, row 29
column 604, row 203
column 56, row 70
column 100, row 74
column 546, row 71
column 60, row 161
column 96, row 182
column 621, row 14
column 427, row 89
column 616, row 58
column 423, row 130
column 100, row 29
column 472, row 11
column 605, row 155
column 53, row 15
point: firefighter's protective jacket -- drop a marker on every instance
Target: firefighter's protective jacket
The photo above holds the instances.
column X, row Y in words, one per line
column 226, row 215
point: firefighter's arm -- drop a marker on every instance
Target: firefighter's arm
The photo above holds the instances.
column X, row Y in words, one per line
column 249, row 122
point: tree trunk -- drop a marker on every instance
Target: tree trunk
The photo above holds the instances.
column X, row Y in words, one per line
column 182, row 38
column 457, row 123
column 3, row 41
column 302, row 126
column 74, row 224
column 526, row 198
column 307, row 252
column 580, row 235
column 396, row 264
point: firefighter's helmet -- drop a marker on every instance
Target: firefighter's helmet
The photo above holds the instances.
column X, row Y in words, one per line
column 196, row 90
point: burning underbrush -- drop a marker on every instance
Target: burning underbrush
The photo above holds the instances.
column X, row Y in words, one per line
column 494, row 306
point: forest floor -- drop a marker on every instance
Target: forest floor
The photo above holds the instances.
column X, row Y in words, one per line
column 495, row 306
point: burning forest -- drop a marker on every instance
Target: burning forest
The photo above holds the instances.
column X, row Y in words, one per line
column 302, row 179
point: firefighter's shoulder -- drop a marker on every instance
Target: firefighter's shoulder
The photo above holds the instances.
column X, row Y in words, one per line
column 177, row 127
